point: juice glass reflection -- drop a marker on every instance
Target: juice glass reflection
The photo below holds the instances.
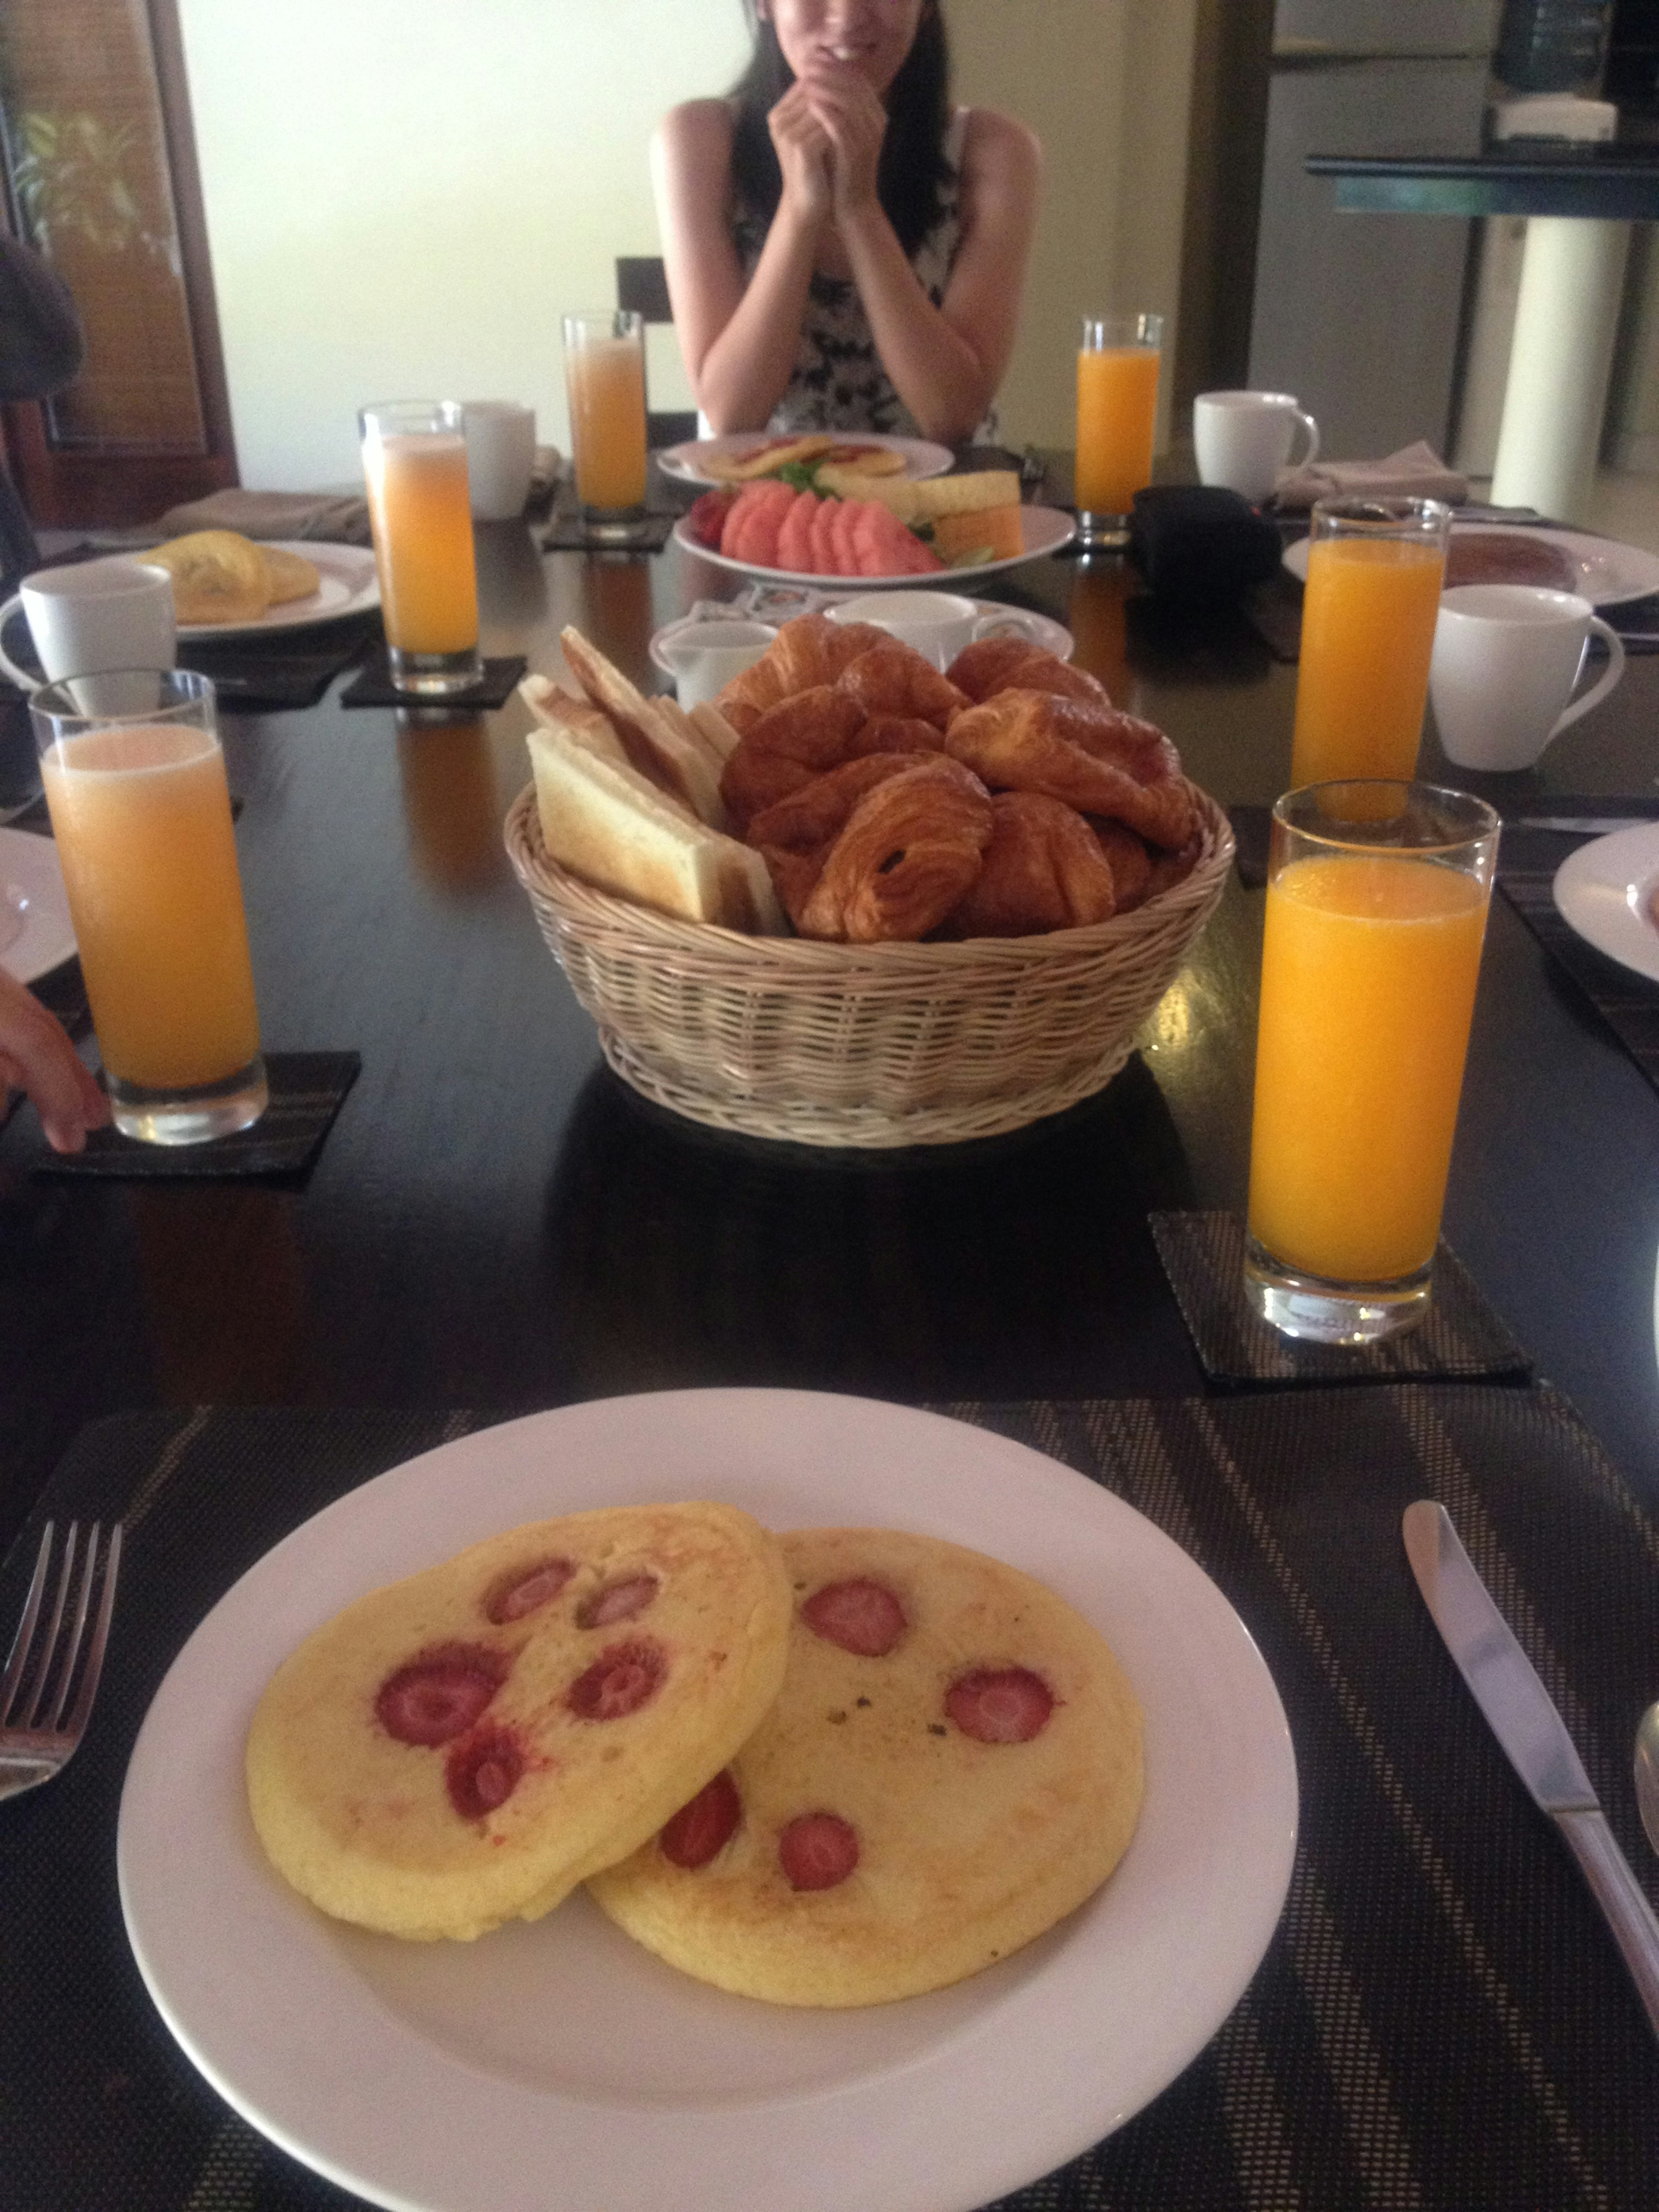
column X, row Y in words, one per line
column 135, row 781
column 1377, row 907
column 1375, row 573
column 1117, row 366
column 415, row 467
column 604, row 380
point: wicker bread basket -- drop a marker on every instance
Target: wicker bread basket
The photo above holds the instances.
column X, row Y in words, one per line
column 871, row 1044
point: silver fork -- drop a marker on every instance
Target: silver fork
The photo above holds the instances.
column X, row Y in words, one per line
column 39, row 1725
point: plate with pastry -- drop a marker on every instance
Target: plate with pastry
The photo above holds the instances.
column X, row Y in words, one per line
column 744, row 456
column 884, row 531
column 225, row 585
column 1608, row 893
column 1060, row 1745
column 1599, row 569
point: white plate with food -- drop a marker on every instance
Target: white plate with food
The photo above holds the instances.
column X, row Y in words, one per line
column 1054, row 637
column 36, row 934
column 1044, row 530
column 451, row 2077
column 348, row 585
column 1599, row 569
column 690, row 464
column 1606, row 891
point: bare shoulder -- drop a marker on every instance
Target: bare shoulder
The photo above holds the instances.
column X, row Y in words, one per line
column 695, row 133
column 1001, row 151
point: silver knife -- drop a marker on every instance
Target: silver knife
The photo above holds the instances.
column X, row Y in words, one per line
column 1521, row 1716
column 1586, row 825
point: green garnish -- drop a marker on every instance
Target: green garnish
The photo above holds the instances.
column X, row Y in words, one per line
column 976, row 558
column 803, row 475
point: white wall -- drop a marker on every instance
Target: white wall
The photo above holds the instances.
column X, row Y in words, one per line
column 404, row 196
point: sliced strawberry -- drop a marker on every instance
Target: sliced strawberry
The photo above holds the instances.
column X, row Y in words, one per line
column 622, row 1600
column 818, row 1850
column 861, row 1616
column 526, row 1589
column 705, row 518
column 482, row 1772
column 620, row 1682
column 999, row 1704
column 441, row 1693
column 700, row 1830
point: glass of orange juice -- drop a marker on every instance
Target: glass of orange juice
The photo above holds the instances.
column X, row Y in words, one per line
column 420, row 514
column 1377, row 906
column 136, row 783
column 1117, row 410
column 604, row 381
column 1376, row 567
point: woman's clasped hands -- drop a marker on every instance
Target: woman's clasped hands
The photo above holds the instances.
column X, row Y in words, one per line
column 827, row 131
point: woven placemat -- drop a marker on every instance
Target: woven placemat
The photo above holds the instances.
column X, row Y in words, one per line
column 308, row 1090
column 1441, row 2023
column 1203, row 1256
column 374, row 687
column 1628, row 1003
column 268, row 672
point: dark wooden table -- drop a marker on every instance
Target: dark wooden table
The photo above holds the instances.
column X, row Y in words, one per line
column 497, row 1222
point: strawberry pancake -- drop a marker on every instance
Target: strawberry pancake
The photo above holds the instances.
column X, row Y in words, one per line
column 468, row 1745
column 953, row 1763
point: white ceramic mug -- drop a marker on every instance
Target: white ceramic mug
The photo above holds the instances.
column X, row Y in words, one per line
column 1243, row 439
column 937, row 625
column 98, row 615
column 501, row 457
column 1507, row 661
column 705, row 656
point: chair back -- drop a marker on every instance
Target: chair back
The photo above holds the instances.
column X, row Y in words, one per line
column 642, row 290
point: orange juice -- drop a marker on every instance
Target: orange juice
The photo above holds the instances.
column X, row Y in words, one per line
column 1368, row 977
column 422, row 524
column 1116, row 405
column 1368, row 619
column 141, row 817
column 607, row 381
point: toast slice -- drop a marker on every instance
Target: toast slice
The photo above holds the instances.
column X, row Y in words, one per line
column 654, row 743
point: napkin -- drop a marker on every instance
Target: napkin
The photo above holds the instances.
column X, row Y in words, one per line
column 1414, row 473
column 341, row 518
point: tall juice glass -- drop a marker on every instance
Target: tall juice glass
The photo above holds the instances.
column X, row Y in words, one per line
column 1377, row 907
column 419, row 510
column 1116, row 410
column 1375, row 573
column 136, row 783
column 604, row 380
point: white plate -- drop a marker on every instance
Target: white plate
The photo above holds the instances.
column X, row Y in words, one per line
column 1054, row 637
column 350, row 586
column 1608, row 573
column 688, row 463
column 1044, row 529
column 1603, row 890
column 558, row 2062
column 36, row 934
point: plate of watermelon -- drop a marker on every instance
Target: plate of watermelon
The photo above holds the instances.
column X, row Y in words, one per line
column 770, row 528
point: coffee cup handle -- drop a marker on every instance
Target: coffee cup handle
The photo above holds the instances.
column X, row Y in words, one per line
column 20, row 676
column 1610, row 675
column 1009, row 622
column 1312, row 429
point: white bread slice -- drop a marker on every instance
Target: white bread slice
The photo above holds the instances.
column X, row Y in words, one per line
column 557, row 709
column 653, row 742
column 714, row 729
column 679, row 719
column 610, row 824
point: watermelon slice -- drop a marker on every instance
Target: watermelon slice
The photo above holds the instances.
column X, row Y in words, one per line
column 823, row 562
column 795, row 537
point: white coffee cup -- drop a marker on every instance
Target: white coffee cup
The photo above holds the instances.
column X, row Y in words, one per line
column 501, row 457
column 1507, row 659
column 99, row 615
column 705, row 656
column 937, row 625
column 1243, row 439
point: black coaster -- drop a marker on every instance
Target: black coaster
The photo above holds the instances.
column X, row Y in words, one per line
column 374, row 687
column 568, row 533
column 308, row 1090
column 1203, row 1255
column 1626, row 1002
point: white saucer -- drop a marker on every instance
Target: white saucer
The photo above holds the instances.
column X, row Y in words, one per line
column 36, row 934
column 1604, row 892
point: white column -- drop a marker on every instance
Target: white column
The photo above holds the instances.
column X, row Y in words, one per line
column 1571, row 280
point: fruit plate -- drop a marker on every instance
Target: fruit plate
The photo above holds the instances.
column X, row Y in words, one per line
column 1044, row 529
column 687, row 463
column 557, row 2055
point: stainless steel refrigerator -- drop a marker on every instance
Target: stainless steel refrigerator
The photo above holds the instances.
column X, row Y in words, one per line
column 1359, row 315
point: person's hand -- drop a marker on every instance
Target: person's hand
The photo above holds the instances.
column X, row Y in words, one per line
column 37, row 1056
column 803, row 150
column 852, row 119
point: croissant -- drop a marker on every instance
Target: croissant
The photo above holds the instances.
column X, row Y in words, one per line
column 807, row 653
column 895, row 734
column 1095, row 758
column 893, row 679
column 786, row 747
column 794, row 836
column 1044, row 869
column 991, row 664
column 910, row 849
column 1130, row 862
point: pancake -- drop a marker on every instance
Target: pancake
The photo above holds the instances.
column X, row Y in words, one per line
column 291, row 576
column 467, row 1745
column 953, row 1763
column 218, row 576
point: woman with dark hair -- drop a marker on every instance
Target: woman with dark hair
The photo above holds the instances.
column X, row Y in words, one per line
column 845, row 250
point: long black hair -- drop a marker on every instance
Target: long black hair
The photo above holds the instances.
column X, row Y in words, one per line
column 913, row 174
